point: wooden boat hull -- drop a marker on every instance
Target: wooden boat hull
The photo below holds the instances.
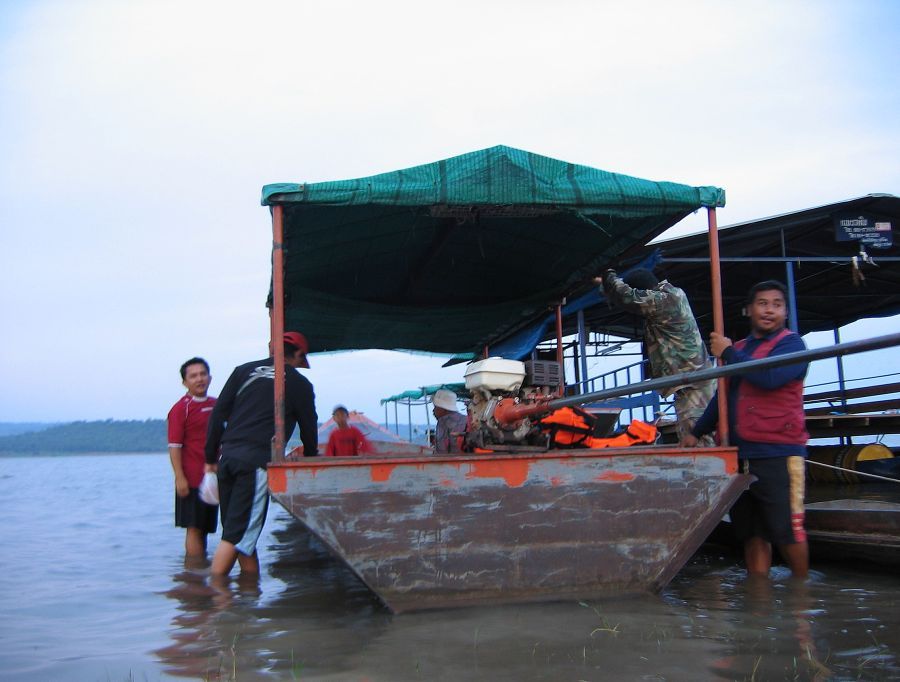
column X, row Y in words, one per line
column 856, row 529
column 859, row 524
column 440, row 531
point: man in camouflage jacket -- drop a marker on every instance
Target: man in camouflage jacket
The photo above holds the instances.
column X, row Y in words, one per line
column 671, row 338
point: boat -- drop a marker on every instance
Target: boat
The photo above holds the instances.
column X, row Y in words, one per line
column 850, row 524
column 833, row 281
column 853, row 529
column 458, row 257
column 443, row 531
column 379, row 441
column 853, row 504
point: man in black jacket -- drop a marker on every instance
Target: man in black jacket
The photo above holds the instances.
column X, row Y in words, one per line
column 243, row 425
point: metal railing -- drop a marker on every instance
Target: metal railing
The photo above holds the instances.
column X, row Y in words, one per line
column 647, row 406
column 804, row 356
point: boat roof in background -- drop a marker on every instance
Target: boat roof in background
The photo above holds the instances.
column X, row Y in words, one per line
column 449, row 256
column 413, row 395
column 828, row 293
column 369, row 428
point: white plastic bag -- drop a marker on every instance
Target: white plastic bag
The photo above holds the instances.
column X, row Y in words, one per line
column 209, row 488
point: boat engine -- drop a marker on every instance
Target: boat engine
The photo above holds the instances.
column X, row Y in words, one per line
column 504, row 392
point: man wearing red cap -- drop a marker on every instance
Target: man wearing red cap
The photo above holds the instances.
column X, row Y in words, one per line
column 242, row 425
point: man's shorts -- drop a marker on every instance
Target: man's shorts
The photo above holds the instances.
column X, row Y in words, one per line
column 244, row 501
column 772, row 508
column 192, row 512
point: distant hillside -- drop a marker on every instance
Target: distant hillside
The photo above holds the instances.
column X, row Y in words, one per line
column 113, row 436
column 13, row 428
column 98, row 436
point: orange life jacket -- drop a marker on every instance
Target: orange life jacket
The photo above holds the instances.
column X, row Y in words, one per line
column 637, row 433
column 568, row 426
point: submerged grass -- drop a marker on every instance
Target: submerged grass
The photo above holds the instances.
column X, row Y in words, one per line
column 604, row 623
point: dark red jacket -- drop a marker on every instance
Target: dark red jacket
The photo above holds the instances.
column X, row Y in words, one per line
column 779, row 385
column 770, row 415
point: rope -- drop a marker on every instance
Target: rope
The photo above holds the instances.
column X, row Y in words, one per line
column 852, row 471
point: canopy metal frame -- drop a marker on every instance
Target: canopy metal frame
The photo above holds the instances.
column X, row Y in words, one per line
column 277, row 323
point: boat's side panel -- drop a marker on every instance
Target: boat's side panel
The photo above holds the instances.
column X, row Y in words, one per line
column 854, row 529
column 442, row 531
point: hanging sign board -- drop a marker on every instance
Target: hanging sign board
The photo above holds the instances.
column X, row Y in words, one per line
column 864, row 228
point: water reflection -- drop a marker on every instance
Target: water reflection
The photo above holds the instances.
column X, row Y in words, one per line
column 769, row 628
column 311, row 618
column 199, row 642
column 781, row 628
column 224, row 628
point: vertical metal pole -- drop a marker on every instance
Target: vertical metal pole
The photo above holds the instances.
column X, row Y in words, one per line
column 396, row 420
column 843, row 440
column 582, row 350
column 840, row 368
column 277, row 341
column 792, row 298
column 409, row 417
column 792, row 292
column 576, row 366
column 387, row 424
column 559, row 350
column 718, row 316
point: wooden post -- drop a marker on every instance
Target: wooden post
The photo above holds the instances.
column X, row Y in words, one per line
column 582, row 351
column 277, row 340
column 559, row 350
column 718, row 316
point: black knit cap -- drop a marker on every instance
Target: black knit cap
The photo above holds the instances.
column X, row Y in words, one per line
column 641, row 278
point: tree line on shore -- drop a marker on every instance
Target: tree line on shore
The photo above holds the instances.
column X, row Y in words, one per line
column 89, row 436
column 112, row 435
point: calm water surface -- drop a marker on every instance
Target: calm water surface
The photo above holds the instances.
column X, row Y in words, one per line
column 94, row 587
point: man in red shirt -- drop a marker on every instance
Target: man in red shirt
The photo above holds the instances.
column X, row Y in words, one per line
column 345, row 440
column 187, row 423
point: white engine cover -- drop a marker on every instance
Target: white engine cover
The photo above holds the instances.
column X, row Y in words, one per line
column 495, row 374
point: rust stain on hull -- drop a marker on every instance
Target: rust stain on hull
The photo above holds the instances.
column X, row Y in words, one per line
column 514, row 472
column 430, row 532
column 731, row 464
column 382, row 472
column 615, row 476
column 277, row 481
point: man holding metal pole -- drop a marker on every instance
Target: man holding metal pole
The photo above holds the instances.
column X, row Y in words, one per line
column 768, row 425
column 238, row 447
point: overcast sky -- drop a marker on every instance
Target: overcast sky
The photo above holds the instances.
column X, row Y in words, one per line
column 135, row 138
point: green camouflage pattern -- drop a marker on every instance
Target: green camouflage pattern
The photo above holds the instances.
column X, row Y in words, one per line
column 690, row 402
column 671, row 337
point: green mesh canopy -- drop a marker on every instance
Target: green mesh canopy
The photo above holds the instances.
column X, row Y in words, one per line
column 453, row 255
